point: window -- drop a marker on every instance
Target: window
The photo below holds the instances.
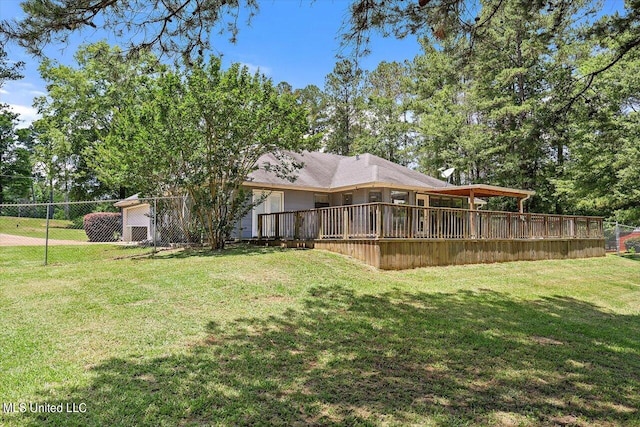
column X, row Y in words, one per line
column 347, row 199
column 375, row 196
column 448, row 202
column 321, row 200
column 399, row 197
column 439, row 202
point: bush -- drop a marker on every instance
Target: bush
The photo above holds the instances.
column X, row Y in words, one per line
column 102, row 226
column 633, row 243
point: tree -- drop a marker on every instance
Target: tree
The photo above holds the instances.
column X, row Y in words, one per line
column 495, row 117
column 343, row 88
column 15, row 167
column 79, row 107
column 601, row 172
column 450, row 130
column 185, row 26
column 386, row 127
column 313, row 100
column 53, row 157
column 201, row 132
column 15, row 159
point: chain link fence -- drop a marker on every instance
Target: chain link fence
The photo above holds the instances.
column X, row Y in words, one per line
column 147, row 224
column 616, row 236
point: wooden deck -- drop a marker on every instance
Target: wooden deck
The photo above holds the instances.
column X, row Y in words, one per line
column 393, row 237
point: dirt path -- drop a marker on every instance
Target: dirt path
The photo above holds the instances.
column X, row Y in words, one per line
column 13, row 240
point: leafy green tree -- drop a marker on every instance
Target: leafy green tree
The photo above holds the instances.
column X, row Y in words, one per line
column 313, row 100
column 53, row 158
column 499, row 117
column 185, row 26
column 15, row 159
column 201, row 132
column 343, row 92
column 15, row 166
column 78, row 111
column 443, row 115
column 386, row 119
column 601, row 174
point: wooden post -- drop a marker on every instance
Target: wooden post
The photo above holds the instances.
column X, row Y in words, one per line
column 546, row 226
column 345, row 223
column 472, row 219
column 296, row 226
column 260, row 226
column 277, row 227
column 319, row 222
column 409, row 222
column 378, row 221
column 509, row 230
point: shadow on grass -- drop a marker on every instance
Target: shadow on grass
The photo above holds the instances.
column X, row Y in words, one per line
column 230, row 250
column 445, row 359
column 633, row 257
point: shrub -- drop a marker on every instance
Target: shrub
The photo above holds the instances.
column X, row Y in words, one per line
column 102, row 226
column 633, row 243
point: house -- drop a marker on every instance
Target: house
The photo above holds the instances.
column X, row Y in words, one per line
column 392, row 217
column 136, row 219
column 382, row 213
column 332, row 180
column 165, row 219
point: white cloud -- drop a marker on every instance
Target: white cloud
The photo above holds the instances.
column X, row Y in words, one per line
column 257, row 68
column 3, row 92
column 27, row 114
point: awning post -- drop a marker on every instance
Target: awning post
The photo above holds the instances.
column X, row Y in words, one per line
column 472, row 214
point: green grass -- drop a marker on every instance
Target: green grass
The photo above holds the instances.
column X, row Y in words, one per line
column 36, row 227
column 263, row 336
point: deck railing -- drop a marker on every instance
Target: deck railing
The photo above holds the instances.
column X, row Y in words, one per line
column 385, row 220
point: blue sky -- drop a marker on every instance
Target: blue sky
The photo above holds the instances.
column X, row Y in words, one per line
column 289, row 40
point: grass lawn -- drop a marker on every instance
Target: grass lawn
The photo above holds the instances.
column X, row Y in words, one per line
column 264, row 336
column 36, row 227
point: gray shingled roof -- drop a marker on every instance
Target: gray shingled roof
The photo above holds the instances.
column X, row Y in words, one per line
column 331, row 171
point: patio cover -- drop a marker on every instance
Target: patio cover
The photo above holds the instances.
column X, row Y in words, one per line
column 483, row 190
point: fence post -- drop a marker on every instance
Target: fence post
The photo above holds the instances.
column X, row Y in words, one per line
column 155, row 225
column 46, row 234
column 617, row 238
column 378, row 221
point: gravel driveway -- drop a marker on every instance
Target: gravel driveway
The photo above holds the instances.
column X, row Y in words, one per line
column 12, row 240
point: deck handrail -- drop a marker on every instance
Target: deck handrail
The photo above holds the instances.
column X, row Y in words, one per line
column 387, row 220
